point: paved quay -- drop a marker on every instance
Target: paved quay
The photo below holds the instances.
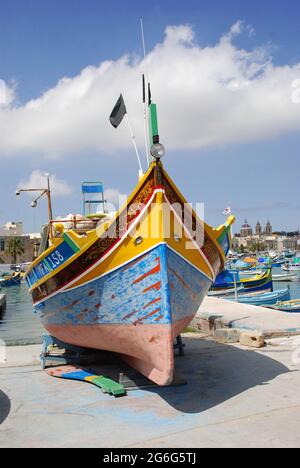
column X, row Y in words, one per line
column 234, row 397
column 268, row 322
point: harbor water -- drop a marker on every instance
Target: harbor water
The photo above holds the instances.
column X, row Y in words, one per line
column 19, row 325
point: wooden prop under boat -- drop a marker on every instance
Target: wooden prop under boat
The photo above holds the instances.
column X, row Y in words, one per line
column 132, row 285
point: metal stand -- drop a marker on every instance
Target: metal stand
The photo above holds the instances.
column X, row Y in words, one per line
column 50, row 352
column 179, row 345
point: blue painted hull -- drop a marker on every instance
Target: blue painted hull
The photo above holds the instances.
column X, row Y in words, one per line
column 266, row 299
column 136, row 310
column 173, row 288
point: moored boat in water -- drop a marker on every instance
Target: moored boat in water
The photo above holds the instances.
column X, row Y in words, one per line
column 288, row 306
column 133, row 282
column 292, row 266
column 229, row 279
column 10, row 279
column 285, row 277
column 262, row 299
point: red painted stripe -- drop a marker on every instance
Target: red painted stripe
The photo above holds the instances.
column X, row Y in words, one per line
column 152, row 302
column 154, row 270
column 155, row 286
column 140, row 320
column 158, row 318
column 129, row 315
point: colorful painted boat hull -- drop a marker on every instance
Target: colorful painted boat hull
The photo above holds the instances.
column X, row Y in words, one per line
column 134, row 284
column 137, row 311
column 11, row 281
column 265, row 298
column 262, row 282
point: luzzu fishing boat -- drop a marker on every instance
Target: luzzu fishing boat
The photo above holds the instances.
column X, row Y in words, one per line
column 133, row 283
column 229, row 279
column 10, row 279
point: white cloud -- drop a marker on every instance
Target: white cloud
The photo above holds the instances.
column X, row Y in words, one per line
column 206, row 96
column 113, row 196
column 38, row 180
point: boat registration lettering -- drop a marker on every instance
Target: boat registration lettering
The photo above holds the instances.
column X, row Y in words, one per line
column 55, row 259
column 50, row 263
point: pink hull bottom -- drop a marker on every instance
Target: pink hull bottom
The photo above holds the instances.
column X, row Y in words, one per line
column 147, row 348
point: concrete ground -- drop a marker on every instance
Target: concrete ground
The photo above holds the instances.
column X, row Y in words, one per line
column 234, row 397
column 248, row 317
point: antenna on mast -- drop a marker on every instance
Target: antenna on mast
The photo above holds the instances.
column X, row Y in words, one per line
column 146, row 121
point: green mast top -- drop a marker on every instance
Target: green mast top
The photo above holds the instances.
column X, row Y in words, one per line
column 156, row 148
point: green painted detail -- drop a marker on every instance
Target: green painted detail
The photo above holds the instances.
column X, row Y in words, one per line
column 109, row 386
column 70, row 242
column 49, row 267
column 153, row 122
column 224, row 234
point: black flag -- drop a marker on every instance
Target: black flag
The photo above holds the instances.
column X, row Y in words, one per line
column 118, row 112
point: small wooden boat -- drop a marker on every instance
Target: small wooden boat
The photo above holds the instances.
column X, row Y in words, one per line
column 289, row 254
column 133, row 282
column 8, row 279
column 288, row 306
column 292, row 266
column 285, row 277
column 249, row 273
column 225, row 292
column 228, row 279
column 263, row 299
column 278, row 263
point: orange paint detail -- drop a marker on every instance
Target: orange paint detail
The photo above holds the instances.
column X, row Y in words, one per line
column 154, row 270
column 158, row 318
column 98, row 306
column 140, row 320
column 74, row 303
column 152, row 302
column 154, row 286
column 129, row 315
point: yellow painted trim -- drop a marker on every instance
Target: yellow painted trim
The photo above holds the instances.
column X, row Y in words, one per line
column 84, row 242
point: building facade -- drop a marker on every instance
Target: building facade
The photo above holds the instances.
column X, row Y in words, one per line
column 30, row 243
column 263, row 239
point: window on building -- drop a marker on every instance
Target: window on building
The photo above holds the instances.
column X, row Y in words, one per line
column 2, row 245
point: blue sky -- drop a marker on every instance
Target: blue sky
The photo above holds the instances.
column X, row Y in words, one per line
column 43, row 41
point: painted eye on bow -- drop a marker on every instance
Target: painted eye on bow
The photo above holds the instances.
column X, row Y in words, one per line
column 138, row 241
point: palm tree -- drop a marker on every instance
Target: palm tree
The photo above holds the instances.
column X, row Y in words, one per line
column 14, row 248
